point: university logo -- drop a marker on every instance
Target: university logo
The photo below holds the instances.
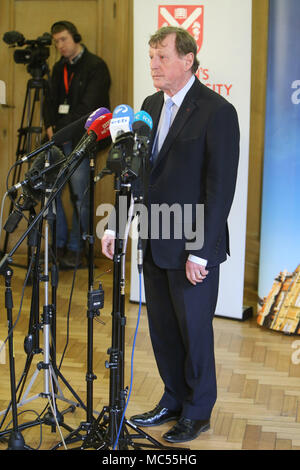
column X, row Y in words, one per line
column 189, row 17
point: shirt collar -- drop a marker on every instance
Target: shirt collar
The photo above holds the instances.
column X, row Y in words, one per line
column 180, row 95
column 78, row 57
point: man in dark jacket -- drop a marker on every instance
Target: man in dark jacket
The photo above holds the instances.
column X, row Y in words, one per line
column 80, row 84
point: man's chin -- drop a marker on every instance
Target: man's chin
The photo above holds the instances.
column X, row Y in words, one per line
column 157, row 83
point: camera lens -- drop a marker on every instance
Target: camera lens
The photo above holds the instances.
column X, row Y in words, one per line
column 22, row 56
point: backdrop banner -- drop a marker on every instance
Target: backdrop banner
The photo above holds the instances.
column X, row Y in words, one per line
column 279, row 274
column 222, row 29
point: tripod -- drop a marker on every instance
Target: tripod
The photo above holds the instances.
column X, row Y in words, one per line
column 48, row 366
column 35, row 94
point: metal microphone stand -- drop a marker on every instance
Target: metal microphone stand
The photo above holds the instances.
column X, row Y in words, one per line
column 16, row 440
column 111, row 429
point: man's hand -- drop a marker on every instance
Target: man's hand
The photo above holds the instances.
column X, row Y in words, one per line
column 108, row 245
column 195, row 272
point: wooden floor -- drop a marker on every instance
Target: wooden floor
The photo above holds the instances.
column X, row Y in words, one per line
column 258, row 374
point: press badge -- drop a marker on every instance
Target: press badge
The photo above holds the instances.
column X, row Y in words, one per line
column 63, row 109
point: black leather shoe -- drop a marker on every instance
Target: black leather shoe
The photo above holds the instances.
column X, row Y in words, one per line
column 186, row 430
column 155, row 417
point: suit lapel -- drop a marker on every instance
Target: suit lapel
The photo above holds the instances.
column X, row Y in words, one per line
column 181, row 118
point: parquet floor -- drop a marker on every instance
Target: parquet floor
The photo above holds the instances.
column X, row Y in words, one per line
column 258, row 374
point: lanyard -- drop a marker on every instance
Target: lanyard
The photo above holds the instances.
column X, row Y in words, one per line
column 67, row 81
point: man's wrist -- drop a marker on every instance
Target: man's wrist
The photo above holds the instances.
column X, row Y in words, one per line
column 197, row 260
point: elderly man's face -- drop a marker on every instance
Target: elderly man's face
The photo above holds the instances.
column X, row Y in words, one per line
column 169, row 71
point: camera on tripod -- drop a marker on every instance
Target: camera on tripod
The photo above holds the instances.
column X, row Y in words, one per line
column 35, row 54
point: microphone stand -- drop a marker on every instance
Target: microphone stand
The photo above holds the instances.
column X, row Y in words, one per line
column 111, row 429
column 16, row 440
column 95, row 302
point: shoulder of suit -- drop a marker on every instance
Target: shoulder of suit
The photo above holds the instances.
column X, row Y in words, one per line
column 153, row 100
column 202, row 95
column 203, row 92
column 155, row 96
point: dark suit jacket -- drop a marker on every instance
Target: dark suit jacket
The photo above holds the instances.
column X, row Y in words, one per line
column 197, row 165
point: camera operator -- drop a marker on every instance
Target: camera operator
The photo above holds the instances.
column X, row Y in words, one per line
column 79, row 84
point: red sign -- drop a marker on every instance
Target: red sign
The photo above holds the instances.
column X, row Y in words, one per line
column 189, row 17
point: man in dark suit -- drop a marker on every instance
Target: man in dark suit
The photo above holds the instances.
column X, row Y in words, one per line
column 196, row 164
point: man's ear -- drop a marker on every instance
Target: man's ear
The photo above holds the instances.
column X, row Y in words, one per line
column 188, row 61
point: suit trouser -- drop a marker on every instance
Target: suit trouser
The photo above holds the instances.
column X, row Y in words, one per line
column 180, row 318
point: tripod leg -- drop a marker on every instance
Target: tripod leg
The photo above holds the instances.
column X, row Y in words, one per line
column 16, row 440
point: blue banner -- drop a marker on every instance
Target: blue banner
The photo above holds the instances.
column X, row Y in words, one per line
column 279, row 284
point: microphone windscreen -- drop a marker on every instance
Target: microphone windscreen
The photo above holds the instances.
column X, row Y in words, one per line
column 69, row 131
column 101, row 126
column 143, row 117
column 97, row 113
column 38, row 181
column 121, row 121
column 141, row 129
column 124, row 110
column 12, row 37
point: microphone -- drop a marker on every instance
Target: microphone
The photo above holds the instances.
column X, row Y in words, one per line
column 142, row 124
column 98, row 130
column 123, row 110
column 97, row 113
column 12, row 37
column 33, row 177
column 41, row 176
column 121, row 122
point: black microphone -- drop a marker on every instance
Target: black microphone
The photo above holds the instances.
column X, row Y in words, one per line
column 142, row 127
column 34, row 177
column 13, row 37
column 41, row 175
column 98, row 130
column 142, row 124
